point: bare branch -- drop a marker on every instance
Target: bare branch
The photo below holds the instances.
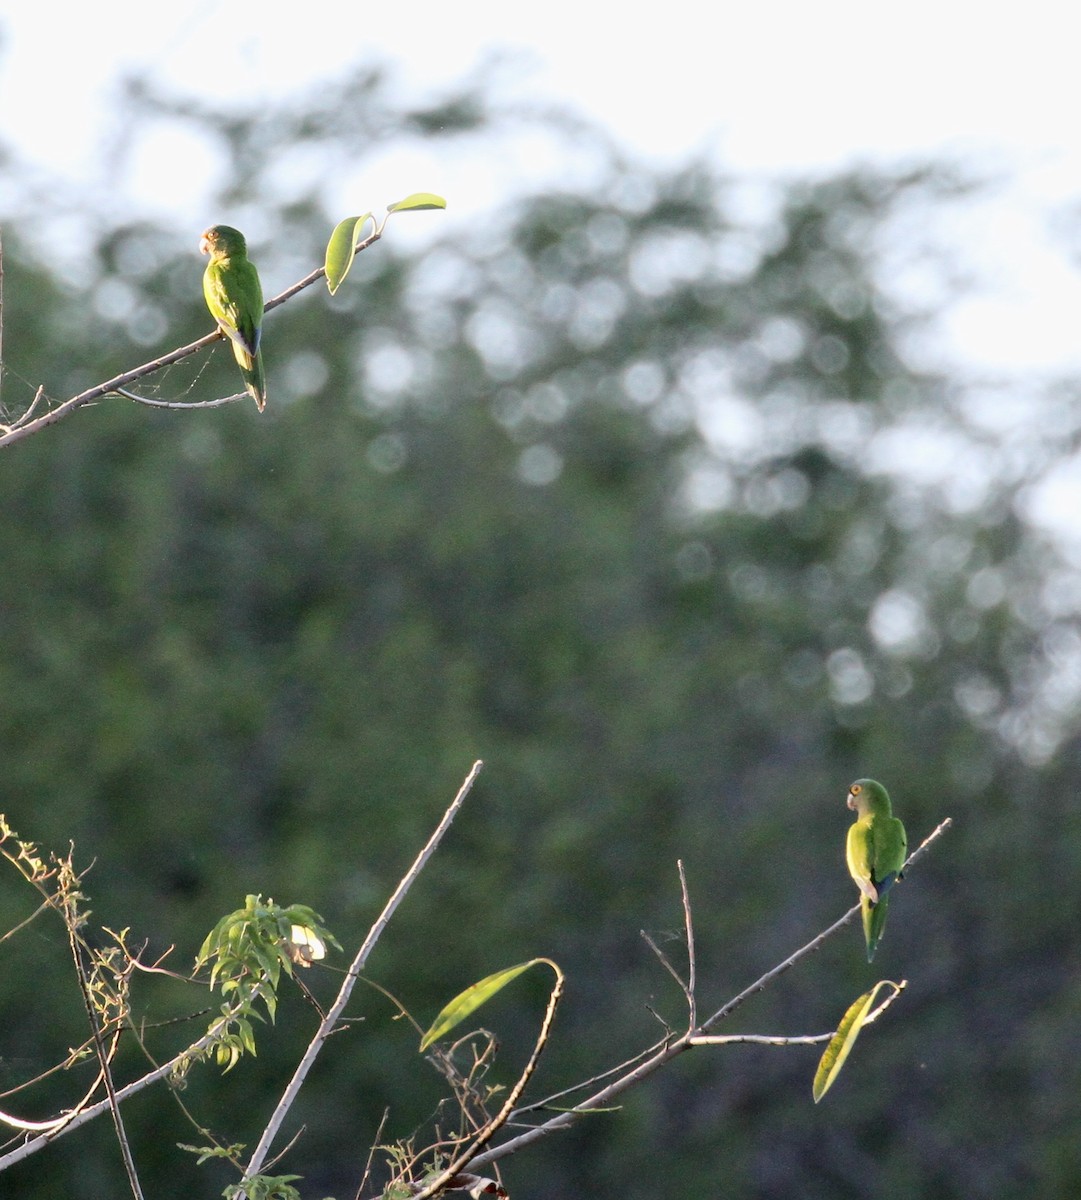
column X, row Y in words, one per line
column 663, row 1053
column 500, row 1119
column 727, row 1009
column 664, row 960
column 185, row 404
column 327, row 1025
column 24, row 427
column 688, row 925
column 19, row 431
column 104, row 1053
column 758, row 1039
column 51, row 1130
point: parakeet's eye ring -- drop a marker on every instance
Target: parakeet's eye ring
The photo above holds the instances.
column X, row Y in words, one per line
column 855, row 789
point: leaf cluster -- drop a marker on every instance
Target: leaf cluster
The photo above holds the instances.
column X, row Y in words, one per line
column 247, row 950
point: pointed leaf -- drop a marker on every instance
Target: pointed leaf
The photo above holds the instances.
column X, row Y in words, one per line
column 471, row 999
column 342, row 248
column 417, row 202
column 829, row 1066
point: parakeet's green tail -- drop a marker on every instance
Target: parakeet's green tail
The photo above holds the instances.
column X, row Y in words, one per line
column 252, row 371
column 874, row 921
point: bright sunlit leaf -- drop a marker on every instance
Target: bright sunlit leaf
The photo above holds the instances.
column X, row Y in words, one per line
column 342, row 249
column 840, row 1045
column 471, row 999
column 418, row 202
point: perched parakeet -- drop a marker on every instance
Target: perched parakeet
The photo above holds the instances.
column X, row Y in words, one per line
column 876, row 853
column 235, row 299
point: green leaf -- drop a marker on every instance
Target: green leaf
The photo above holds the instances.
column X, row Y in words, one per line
column 829, row 1066
column 342, row 249
column 247, row 1035
column 417, row 202
column 471, row 999
column 264, row 1187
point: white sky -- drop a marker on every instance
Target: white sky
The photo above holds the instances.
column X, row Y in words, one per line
column 770, row 87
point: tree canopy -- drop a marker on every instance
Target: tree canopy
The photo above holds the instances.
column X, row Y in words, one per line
column 630, row 496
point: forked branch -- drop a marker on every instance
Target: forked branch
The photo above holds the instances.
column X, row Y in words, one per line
column 28, row 424
column 662, row 1052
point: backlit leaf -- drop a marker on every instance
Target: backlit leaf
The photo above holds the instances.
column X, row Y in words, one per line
column 417, row 202
column 342, row 249
column 471, row 999
column 832, row 1060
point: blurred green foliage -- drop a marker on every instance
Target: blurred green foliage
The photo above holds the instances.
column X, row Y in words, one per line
column 612, row 492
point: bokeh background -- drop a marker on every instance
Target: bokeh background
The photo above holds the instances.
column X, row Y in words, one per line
column 674, row 487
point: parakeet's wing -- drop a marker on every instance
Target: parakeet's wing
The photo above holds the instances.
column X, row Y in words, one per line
column 860, row 854
column 235, row 299
column 889, row 848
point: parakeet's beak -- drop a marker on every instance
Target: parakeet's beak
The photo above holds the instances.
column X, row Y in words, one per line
column 851, row 801
column 204, row 245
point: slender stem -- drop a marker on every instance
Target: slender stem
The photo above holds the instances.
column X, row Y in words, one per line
column 759, row 1039
column 71, row 918
column 500, row 1119
column 688, row 924
column 327, row 1025
column 51, row 1130
column 806, row 1040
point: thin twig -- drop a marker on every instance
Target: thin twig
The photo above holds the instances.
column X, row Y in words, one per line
column 23, row 428
column 758, row 1039
column 550, row 1101
column 51, row 1130
column 71, row 917
column 808, row 1040
column 873, row 1016
column 39, row 395
column 500, row 1119
column 371, row 1154
column 688, row 924
column 185, row 404
column 687, row 987
column 45, row 906
column 326, row 1026
column 664, row 960
column 286, row 1148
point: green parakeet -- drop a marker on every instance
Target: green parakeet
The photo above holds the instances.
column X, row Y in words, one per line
column 876, row 853
column 235, row 299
